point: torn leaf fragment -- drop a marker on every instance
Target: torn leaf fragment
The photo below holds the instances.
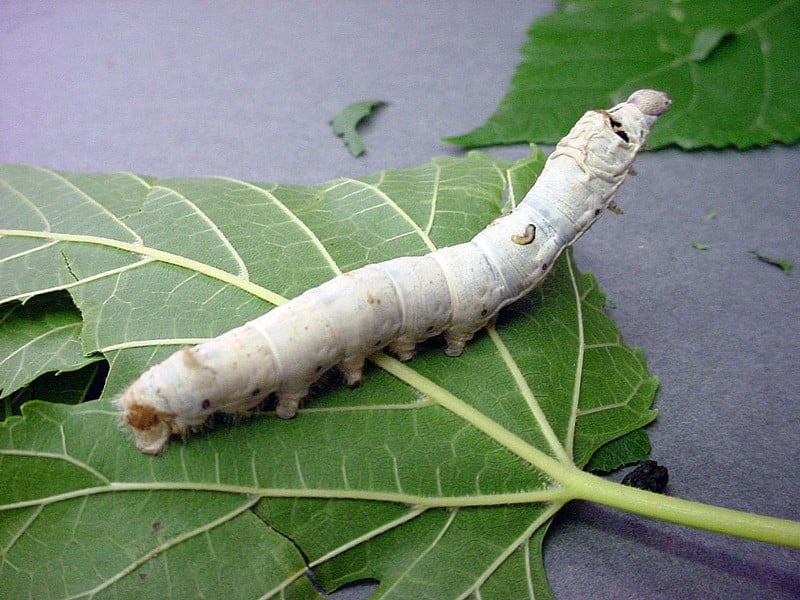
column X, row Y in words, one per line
column 346, row 121
column 783, row 265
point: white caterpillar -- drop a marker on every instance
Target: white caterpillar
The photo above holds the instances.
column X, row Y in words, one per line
column 401, row 302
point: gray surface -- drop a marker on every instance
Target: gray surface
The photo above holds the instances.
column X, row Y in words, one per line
column 179, row 89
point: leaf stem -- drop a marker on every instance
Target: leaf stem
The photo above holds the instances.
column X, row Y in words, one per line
column 762, row 528
column 580, row 485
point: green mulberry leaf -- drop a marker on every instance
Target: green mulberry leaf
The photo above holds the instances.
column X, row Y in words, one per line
column 730, row 67
column 437, row 477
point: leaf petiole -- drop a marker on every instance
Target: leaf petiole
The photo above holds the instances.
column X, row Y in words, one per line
column 580, row 485
column 762, row 528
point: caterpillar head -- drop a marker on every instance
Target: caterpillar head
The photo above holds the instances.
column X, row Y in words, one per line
column 652, row 103
column 178, row 395
column 632, row 120
column 151, row 404
column 151, row 428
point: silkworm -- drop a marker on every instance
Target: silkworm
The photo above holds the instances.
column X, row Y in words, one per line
column 398, row 303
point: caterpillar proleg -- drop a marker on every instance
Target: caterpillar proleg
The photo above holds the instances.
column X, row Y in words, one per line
column 398, row 303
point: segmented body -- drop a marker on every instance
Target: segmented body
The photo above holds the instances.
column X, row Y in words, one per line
column 398, row 303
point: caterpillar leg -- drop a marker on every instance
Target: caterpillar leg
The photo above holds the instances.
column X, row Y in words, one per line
column 403, row 348
column 353, row 370
column 289, row 404
column 456, row 343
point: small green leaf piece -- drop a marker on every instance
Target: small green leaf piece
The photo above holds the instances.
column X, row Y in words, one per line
column 712, row 214
column 346, row 121
column 783, row 265
column 700, row 246
column 730, row 68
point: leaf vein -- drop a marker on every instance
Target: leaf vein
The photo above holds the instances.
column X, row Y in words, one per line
column 43, row 336
column 134, row 236
column 171, row 543
column 581, row 340
column 520, row 542
column 437, row 177
column 394, row 206
column 16, row 192
column 405, row 518
column 442, row 531
column 527, row 393
column 213, row 227
column 53, row 455
column 292, row 217
column 21, row 531
column 153, row 254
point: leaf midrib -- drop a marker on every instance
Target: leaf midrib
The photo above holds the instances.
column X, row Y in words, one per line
column 554, row 494
column 155, row 254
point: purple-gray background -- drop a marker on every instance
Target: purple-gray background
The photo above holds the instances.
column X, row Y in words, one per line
column 246, row 90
